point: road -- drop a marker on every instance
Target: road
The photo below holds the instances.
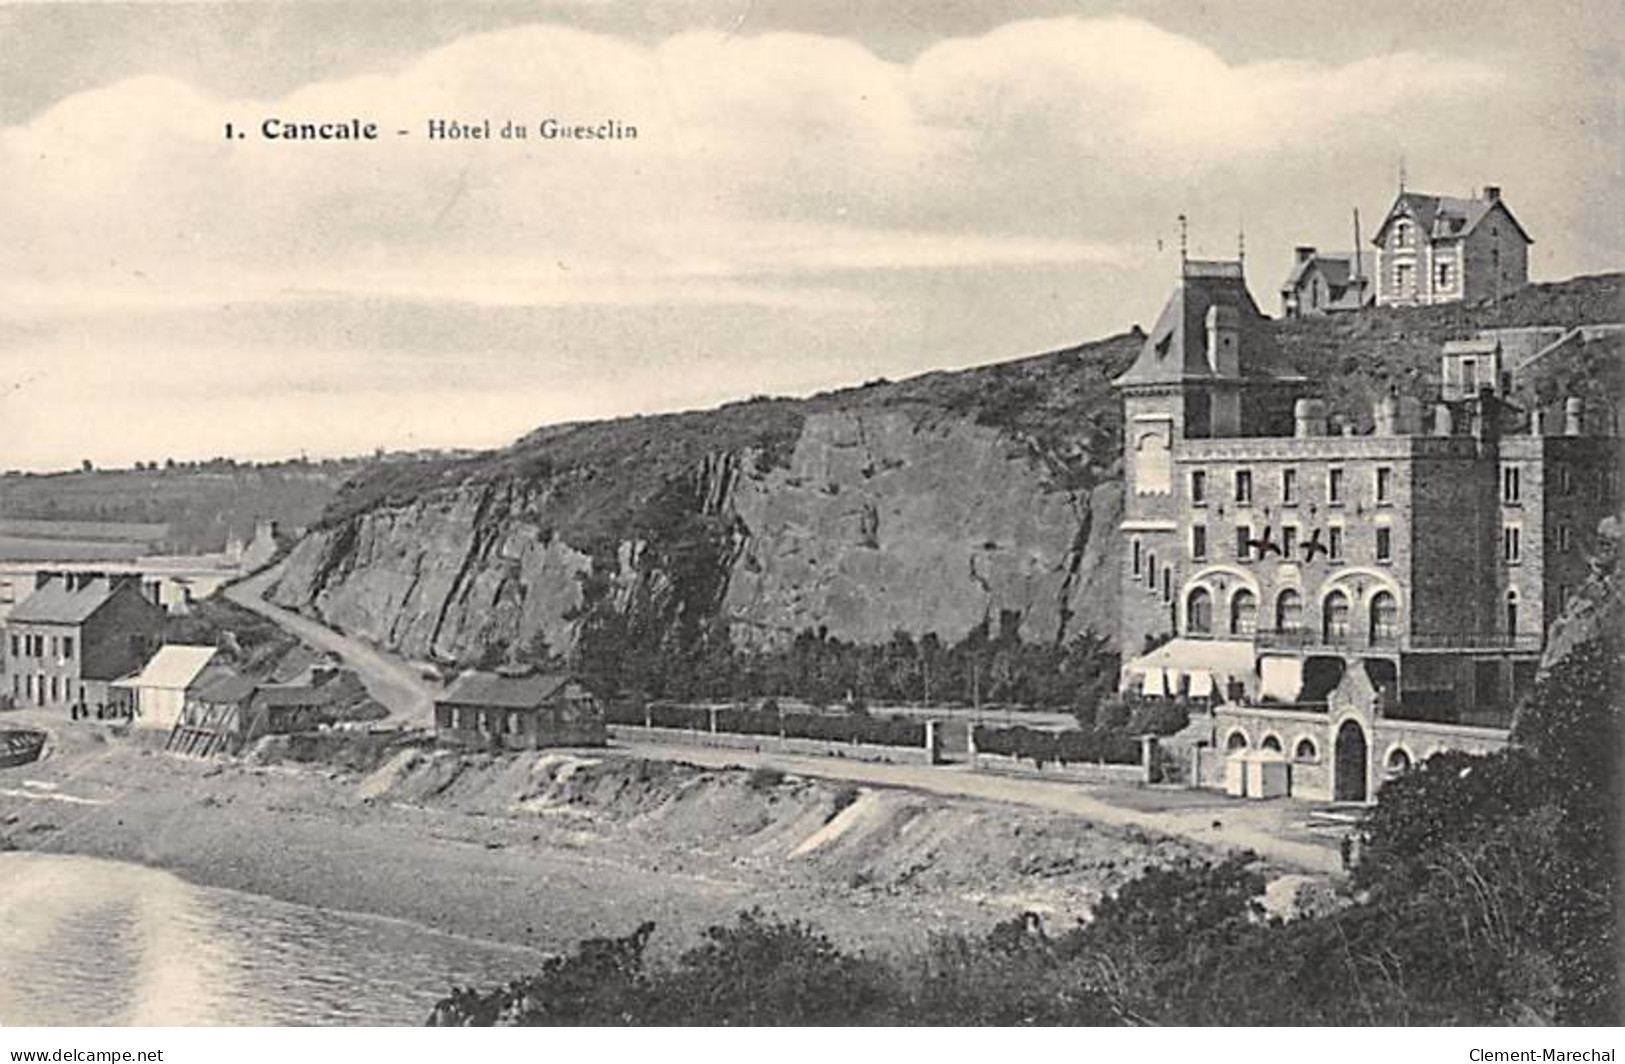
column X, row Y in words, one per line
column 394, row 684
column 1276, row 830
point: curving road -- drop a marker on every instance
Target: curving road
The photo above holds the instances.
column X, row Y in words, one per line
column 393, row 683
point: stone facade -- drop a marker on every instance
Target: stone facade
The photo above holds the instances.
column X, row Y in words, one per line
column 74, row 635
column 1441, row 249
column 1410, row 572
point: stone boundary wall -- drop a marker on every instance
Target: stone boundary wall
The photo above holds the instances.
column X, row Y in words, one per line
column 772, row 744
column 1004, row 764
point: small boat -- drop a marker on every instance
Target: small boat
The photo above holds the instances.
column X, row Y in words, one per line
column 20, row 746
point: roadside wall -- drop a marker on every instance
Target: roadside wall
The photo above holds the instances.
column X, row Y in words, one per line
column 897, row 755
column 1005, row 764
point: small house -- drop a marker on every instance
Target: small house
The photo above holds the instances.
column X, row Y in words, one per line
column 519, row 712
column 160, row 689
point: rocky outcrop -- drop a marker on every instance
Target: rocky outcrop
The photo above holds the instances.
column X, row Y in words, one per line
column 883, row 518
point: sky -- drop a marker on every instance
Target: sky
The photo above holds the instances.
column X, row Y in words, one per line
column 821, row 193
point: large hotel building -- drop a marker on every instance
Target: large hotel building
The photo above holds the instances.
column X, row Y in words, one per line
column 1351, row 601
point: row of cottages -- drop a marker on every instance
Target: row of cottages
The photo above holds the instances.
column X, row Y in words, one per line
column 1348, row 604
column 519, row 712
column 224, row 710
column 74, row 636
column 1428, row 250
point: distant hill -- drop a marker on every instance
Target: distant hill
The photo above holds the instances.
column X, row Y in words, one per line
column 182, row 510
column 988, row 496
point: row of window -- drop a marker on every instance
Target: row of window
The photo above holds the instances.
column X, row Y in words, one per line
column 1289, row 548
column 34, row 646
column 1382, row 615
column 40, row 689
column 1242, row 486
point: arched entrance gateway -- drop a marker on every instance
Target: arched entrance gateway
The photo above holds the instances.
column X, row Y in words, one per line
column 1349, row 768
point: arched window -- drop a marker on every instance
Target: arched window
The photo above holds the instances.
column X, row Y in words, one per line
column 1153, row 471
column 1271, row 742
column 1151, row 570
column 1305, row 750
column 1243, row 613
column 1289, row 612
column 1237, row 741
column 1402, row 234
column 1512, row 613
column 1335, row 618
column 1384, row 617
column 1167, row 584
column 1399, row 761
column 1199, row 611
column 1138, row 560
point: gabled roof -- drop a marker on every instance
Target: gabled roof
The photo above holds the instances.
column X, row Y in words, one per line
column 223, row 686
column 1445, row 217
column 1336, row 266
column 508, row 692
column 174, row 667
column 56, row 604
column 1176, row 348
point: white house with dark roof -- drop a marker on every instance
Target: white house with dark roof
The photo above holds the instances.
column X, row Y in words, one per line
column 160, row 688
column 1443, row 249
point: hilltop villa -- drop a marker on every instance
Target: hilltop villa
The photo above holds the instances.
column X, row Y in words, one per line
column 1441, row 249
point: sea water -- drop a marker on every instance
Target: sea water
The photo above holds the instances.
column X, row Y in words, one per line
column 88, row 942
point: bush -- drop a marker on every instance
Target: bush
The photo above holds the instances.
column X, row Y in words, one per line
column 1074, row 746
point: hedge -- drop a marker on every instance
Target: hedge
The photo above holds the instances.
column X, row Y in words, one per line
column 744, row 720
column 1074, row 746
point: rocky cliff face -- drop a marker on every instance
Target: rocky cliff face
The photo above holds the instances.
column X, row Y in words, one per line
column 883, row 519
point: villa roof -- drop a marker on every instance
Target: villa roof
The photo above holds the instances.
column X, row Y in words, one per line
column 1445, row 217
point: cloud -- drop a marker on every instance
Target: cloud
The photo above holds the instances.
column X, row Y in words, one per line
column 757, row 157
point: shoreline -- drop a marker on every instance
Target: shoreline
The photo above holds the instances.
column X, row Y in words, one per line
column 484, row 859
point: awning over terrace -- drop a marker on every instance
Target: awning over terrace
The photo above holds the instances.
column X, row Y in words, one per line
column 1210, row 664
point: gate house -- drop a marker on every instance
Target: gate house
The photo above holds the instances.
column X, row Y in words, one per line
column 519, row 712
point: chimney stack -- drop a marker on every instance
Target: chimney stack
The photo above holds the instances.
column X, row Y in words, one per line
column 1574, row 416
column 1303, row 252
column 1492, row 193
column 1309, row 417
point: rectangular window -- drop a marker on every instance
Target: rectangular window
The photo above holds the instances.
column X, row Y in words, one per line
column 1334, row 542
column 1404, row 274
column 1137, row 558
column 1334, row 486
column 1445, row 271
column 1511, row 486
column 1385, row 543
column 54, row 694
column 1243, row 549
column 67, row 647
column 1244, row 486
column 1512, row 544
column 1199, row 542
column 1167, row 584
column 1385, row 485
column 1563, row 537
column 1289, row 543
column 16, row 647
column 1565, row 481
column 1198, row 488
column 1289, row 487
